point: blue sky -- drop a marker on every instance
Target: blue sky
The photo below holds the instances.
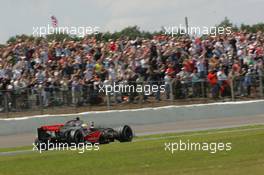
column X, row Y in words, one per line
column 19, row 16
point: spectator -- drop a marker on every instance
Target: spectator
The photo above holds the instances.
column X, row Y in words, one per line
column 213, row 81
column 196, row 84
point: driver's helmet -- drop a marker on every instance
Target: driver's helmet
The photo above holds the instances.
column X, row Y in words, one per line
column 91, row 125
column 85, row 126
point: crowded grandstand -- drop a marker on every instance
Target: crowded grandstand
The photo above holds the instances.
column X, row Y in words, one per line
column 69, row 72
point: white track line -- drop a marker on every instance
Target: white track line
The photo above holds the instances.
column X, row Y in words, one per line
column 132, row 110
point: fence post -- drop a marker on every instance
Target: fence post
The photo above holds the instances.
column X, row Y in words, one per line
column 28, row 100
column 5, row 102
column 40, row 102
column 232, row 88
column 202, row 87
column 108, row 97
column 142, row 98
column 108, row 101
column 261, row 82
column 171, row 88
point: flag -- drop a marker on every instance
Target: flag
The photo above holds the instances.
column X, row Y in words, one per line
column 54, row 21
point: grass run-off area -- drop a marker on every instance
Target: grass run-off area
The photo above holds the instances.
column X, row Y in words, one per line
column 147, row 155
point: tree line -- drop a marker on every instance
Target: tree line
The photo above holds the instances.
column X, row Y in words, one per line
column 130, row 32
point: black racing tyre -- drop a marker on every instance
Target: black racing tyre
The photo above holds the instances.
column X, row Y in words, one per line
column 124, row 133
column 103, row 140
column 76, row 136
column 107, row 136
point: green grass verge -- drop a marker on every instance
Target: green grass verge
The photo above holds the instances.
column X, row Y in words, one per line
column 147, row 156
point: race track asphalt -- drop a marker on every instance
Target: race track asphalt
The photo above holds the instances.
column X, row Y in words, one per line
column 26, row 139
column 16, row 132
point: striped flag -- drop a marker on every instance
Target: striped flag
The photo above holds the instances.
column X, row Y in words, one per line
column 54, row 21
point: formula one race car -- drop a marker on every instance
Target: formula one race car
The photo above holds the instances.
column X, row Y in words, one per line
column 76, row 131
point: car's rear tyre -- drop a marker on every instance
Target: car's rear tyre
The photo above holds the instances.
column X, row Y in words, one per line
column 107, row 136
column 124, row 134
column 76, row 136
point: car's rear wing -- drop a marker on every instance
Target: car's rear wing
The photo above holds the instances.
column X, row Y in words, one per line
column 42, row 134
